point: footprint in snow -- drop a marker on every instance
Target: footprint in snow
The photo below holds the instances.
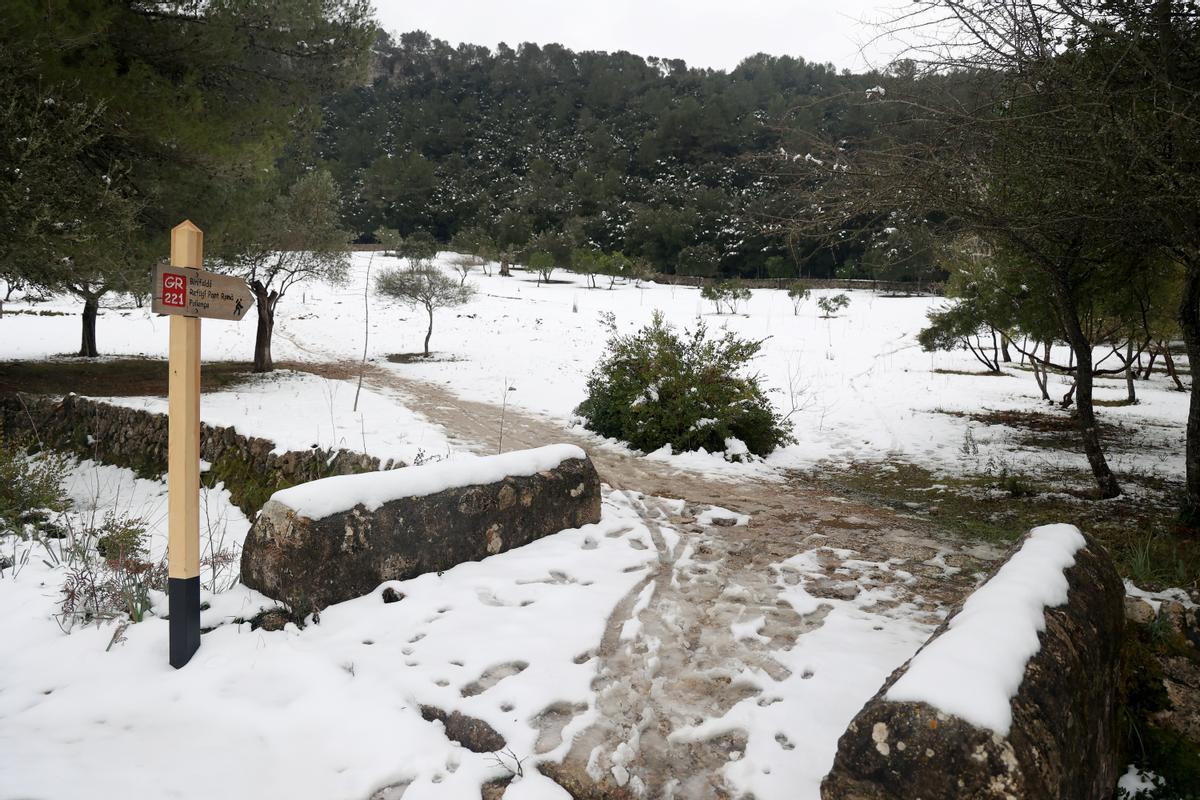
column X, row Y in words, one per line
column 550, row 723
column 556, row 578
column 493, row 675
column 488, row 598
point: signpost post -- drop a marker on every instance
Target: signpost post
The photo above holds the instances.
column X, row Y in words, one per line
column 187, row 293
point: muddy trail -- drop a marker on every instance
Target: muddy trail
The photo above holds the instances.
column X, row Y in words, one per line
column 670, row 658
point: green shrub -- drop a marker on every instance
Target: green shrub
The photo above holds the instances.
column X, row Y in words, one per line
column 657, row 387
column 798, row 292
column 831, row 305
column 30, row 487
column 726, row 294
column 121, row 538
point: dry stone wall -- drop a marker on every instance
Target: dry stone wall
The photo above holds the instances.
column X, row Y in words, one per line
column 137, row 439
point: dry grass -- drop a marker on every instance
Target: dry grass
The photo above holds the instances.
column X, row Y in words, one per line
column 122, row 377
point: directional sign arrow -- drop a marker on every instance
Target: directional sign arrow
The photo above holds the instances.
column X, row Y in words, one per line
column 187, row 292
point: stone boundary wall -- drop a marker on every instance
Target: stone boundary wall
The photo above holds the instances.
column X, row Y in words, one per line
column 888, row 287
column 1062, row 744
column 137, row 439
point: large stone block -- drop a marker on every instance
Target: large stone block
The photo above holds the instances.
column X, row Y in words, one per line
column 337, row 538
column 1061, row 740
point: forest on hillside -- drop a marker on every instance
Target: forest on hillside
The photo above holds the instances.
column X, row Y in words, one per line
column 540, row 148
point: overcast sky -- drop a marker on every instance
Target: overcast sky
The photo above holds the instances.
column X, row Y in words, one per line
column 705, row 33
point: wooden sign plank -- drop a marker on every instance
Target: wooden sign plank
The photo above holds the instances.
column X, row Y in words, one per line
column 191, row 292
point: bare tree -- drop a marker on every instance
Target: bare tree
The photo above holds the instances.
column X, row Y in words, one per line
column 463, row 264
column 424, row 286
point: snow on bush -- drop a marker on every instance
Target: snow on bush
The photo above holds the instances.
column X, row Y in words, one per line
column 657, row 387
column 976, row 666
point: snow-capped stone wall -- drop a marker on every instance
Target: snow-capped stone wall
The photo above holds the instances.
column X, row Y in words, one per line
column 1014, row 696
column 334, row 539
column 251, row 467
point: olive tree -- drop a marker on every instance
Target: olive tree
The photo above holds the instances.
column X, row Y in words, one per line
column 297, row 237
column 424, row 286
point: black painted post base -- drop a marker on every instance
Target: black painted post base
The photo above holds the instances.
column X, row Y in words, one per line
column 183, row 596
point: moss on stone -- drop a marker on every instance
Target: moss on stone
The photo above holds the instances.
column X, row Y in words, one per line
column 249, row 487
column 1152, row 746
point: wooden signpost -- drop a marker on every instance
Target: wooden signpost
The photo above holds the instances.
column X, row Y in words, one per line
column 187, row 293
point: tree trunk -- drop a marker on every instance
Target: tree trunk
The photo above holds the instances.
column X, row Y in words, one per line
column 1085, row 412
column 1170, row 362
column 1004, row 349
column 87, row 345
column 1189, row 321
column 264, row 301
column 1149, row 370
column 1041, row 373
column 1131, row 393
column 429, row 332
column 504, row 271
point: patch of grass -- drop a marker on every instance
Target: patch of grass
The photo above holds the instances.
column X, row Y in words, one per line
column 30, row 312
column 979, row 373
column 120, row 377
column 1155, row 561
column 418, row 358
column 1056, row 430
column 1113, row 403
column 1139, row 529
column 1016, row 484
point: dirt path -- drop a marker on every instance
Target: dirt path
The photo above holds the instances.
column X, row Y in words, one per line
column 669, row 658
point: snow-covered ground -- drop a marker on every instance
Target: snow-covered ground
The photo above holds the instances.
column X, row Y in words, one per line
column 862, row 387
column 328, row 712
column 299, row 410
column 332, row 711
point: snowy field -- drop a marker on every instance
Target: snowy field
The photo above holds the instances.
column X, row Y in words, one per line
column 860, row 385
column 318, row 412
column 332, row 711
column 329, row 712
